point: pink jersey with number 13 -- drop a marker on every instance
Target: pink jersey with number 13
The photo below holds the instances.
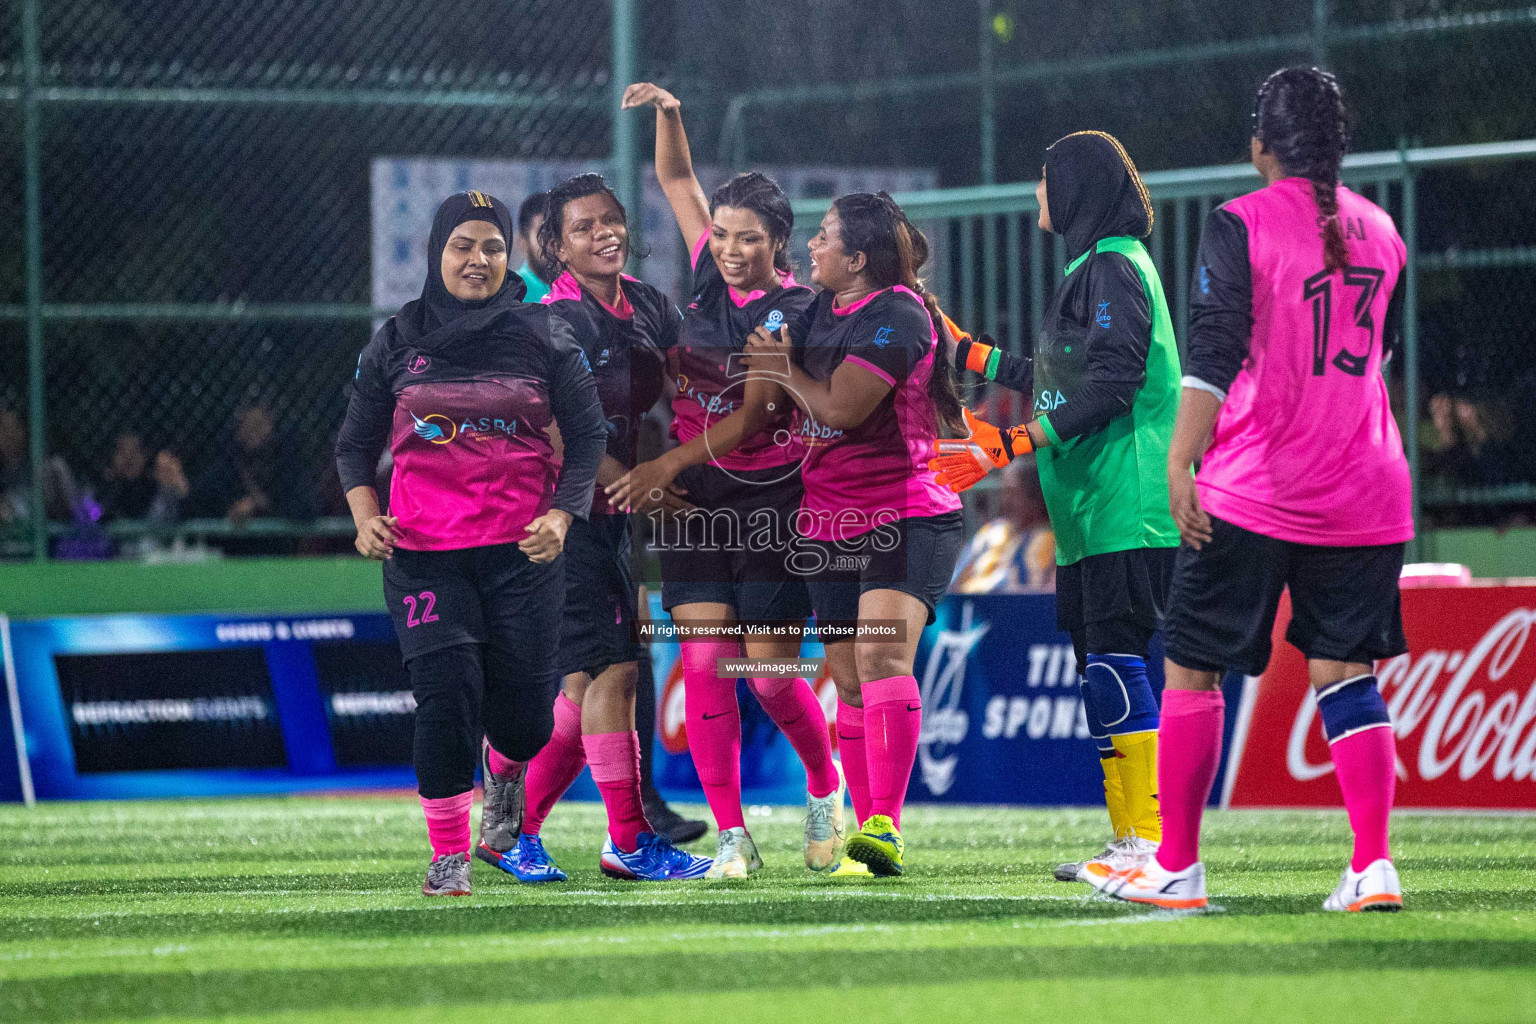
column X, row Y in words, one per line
column 1305, row 448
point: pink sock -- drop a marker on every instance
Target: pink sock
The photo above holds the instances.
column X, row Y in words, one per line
column 502, row 765
column 893, row 713
column 554, row 768
column 714, row 727
column 1188, row 753
column 851, row 749
column 448, row 823
column 1366, row 764
column 615, row 761
column 793, row 706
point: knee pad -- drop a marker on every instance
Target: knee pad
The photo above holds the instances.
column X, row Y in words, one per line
column 1352, row 705
column 1117, row 693
column 1095, row 730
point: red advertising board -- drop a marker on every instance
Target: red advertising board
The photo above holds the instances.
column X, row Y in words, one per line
column 1463, row 704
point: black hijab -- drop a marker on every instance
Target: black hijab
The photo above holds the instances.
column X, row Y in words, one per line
column 437, row 317
column 1094, row 192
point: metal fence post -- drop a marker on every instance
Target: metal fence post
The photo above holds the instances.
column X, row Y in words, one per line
column 1015, row 284
column 32, row 143
column 1416, row 547
column 625, row 165
column 988, row 97
column 1320, row 33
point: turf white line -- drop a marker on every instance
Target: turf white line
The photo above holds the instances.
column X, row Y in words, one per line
column 13, row 697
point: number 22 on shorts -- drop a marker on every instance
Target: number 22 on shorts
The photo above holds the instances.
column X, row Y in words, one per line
column 427, row 599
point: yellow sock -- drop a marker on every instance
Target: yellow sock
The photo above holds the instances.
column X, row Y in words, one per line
column 1114, row 796
column 1138, row 780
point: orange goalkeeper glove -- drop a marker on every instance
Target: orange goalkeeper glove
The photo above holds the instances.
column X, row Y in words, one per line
column 961, row 461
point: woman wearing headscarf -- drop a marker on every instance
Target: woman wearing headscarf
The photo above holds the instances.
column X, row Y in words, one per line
column 1105, row 382
column 464, row 385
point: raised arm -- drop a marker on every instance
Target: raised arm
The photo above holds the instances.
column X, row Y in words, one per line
column 674, row 163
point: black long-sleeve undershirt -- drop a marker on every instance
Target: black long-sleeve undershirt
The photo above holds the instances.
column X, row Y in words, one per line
column 1221, row 306
column 1116, row 354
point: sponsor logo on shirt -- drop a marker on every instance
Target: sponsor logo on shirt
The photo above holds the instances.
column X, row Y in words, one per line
column 882, row 337
column 1102, row 319
column 428, row 430
column 712, row 404
column 418, row 364
column 774, row 321
column 1050, row 400
column 809, row 428
column 1205, row 279
column 439, row 429
column 603, row 357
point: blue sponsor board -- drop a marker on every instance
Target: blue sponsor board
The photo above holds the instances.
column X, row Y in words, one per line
column 117, row 706
column 121, row 706
column 1002, row 709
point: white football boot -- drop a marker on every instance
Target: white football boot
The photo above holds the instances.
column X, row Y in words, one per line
column 1151, row 883
column 1376, row 888
column 736, row 856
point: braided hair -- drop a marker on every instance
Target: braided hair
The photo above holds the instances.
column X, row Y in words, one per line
column 894, row 251
column 552, row 230
column 762, row 195
column 1299, row 117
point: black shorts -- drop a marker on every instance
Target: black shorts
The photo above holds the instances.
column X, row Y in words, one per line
column 1112, row 603
column 487, row 595
column 598, row 627
column 1345, row 602
column 736, row 552
column 915, row 556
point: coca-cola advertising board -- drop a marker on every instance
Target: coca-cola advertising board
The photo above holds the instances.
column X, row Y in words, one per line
column 1463, row 704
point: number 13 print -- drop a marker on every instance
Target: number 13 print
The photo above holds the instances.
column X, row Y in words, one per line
column 1318, row 290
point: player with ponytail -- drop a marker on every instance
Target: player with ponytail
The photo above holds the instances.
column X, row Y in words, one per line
column 1302, row 484
column 737, row 467
column 879, row 537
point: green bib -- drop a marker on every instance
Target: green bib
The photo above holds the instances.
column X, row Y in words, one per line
column 1108, row 490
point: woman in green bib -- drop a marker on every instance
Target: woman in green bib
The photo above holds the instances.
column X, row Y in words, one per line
column 1105, row 381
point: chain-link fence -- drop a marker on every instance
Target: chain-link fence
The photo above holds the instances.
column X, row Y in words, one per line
column 204, row 206
column 200, row 240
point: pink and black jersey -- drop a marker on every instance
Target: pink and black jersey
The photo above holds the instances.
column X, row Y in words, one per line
column 1305, row 448
column 467, row 421
column 708, row 371
column 877, row 471
column 627, row 345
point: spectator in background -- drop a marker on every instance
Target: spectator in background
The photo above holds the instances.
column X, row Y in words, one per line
column 1016, row 552
column 134, row 488
column 252, row 480
column 14, row 478
column 1481, row 456
column 60, row 496
column 1437, row 437
column 536, row 274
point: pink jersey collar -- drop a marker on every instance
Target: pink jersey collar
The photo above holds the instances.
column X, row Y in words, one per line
column 855, row 307
column 787, row 281
column 567, row 287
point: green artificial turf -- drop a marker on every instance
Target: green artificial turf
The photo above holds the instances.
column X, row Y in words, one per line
column 309, row 910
